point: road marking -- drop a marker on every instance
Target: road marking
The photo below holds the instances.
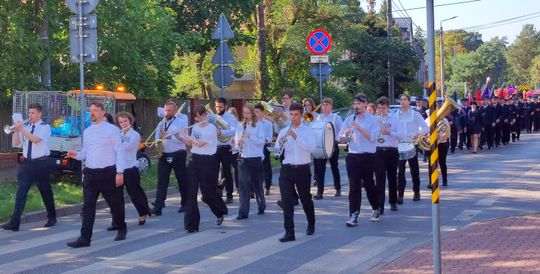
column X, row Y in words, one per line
column 154, row 253
column 467, row 215
column 349, row 256
column 69, row 254
column 240, row 257
column 487, row 201
column 10, row 248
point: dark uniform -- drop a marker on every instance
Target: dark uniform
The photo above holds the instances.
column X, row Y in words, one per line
column 465, row 135
column 498, row 113
column 507, row 117
column 487, row 115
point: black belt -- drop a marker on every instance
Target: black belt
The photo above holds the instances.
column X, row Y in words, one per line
column 224, row 146
column 386, row 148
column 174, row 152
column 296, row 166
column 26, row 160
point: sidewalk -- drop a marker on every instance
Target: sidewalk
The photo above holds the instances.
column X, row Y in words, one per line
column 508, row 245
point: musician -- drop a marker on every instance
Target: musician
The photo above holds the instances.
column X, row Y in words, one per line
column 129, row 143
column 413, row 126
column 387, row 155
column 203, row 171
column 421, row 106
column 455, row 128
column 173, row 157
column 465, row 135
column 269, row 134
column 509, row 120
column 298, row 143
column 320, row 164
column 442, row 145
column 33, row 138
column 309, row 106
column 498, row 114
column 474, row 126
column 250, row 138
column 103, row 173
column 371, row 108
column 362, row 128
column 235, row 155
column 224, row 149
column 519, row 114
column 488, row 124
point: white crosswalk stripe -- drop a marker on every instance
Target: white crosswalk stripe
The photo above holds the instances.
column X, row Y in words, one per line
column 237, row 258
column 145, row 256
column 348, row 258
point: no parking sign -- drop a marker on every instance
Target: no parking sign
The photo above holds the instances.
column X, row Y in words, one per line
column 319, row 41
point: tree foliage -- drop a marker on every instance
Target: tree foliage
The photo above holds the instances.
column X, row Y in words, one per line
column 521, row 54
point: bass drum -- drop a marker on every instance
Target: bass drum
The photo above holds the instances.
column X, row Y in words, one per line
column 324, row 139
column 406, row 151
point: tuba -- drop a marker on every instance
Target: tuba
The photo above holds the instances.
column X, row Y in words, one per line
column 219, row 123
column 442, row 125
column 270, row 108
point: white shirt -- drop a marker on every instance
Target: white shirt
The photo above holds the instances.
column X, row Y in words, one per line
column 396, row 132
column 128, row 147
column 172, row 144
column 207, row 134
column 268, row 130
column 334, row 119
column 39, row 149
column 297, row 152
column 100, row 146
column 359, row 143
column 253, row 145
column 231, row 120
column 439, row 140
column 412, row 124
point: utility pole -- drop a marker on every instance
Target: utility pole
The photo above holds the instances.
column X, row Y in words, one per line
column 43, row 37
column 441, row 51
column 389, row 24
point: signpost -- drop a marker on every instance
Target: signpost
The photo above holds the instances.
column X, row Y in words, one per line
column 223, row 74
column 318, row 43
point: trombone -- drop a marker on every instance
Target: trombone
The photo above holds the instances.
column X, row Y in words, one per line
column 10, row 129
column 309, row 115
column 148, row 143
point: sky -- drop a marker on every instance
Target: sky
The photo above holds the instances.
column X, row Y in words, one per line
column 471, row 14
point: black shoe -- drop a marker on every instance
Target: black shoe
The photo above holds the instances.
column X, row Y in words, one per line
column 240, row 217
column 154, row 203
column 444, row 184
column 9, row 226
column 155, row 211
column 429, row 186
column 143, row 221
column 393, row 207
column 296, row 202
column 192, row 230
column 317, row 197
column 78, row 243
column 381, row 210
column 228, row 201
column 416, row 197
column 226, row 211
column 260, row 212
column 252, row 195
column 219, row 220
column 181, row 209
column 338, row 193
column 400, row 200
column 121, row 235
column 112, row 228
column 267, row 192
column 50, row 222
column 279, row 204
column 287, row 238
column 310, row 229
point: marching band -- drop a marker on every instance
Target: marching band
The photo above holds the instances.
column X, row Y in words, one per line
column 379, row 146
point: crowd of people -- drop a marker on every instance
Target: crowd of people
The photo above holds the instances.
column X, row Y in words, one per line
column 215, row 158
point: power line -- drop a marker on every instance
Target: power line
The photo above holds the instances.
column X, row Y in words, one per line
column 520, row 17
column 447, row 4
column 406, row 13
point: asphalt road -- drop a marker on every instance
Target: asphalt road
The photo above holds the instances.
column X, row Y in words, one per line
column 493, row 184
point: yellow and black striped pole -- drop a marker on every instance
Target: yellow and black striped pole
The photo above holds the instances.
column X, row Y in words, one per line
column 434, row 177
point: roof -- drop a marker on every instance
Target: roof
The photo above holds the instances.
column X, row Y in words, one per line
column 116, row 95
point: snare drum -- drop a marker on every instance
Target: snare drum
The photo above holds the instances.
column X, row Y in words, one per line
column 324, row 139
column 406, row 151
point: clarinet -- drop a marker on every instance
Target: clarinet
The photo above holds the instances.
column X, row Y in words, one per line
column 282, row 147
column 242, row 146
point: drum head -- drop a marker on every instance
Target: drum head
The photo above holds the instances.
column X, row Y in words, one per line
column 329, row 140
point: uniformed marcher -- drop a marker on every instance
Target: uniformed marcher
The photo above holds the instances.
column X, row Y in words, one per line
column 35, row 167
column 474, row 126
column 269, row 134
column 102, row 174
column 498, row 114
column 320, row 164
column 296, row 143
column 173, row 156
column 488, row 124
column 465, row 135
column 203, row 172
column 224, row 149
column 362, row 129
column 387, row 155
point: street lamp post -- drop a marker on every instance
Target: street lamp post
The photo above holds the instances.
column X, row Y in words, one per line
column 441, row 51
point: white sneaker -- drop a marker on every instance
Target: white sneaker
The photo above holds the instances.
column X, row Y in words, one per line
column 375, row 215
column 353, row 221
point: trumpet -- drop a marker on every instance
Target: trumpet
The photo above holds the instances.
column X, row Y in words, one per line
column 346, row 137
column 160, row 140
column 10, row 129
column 308, row 115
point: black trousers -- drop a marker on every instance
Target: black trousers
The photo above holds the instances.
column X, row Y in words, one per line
column 453, row 138
column 320, row 170
column 415, row 175
column 251, row 180
column 267, row 168
column 516, row 129
column 37, row 171
column 224, row 157
column 171, row 161
column 497, row 134
column 203, row 173
column 464, row 139
column 360, row 169
column 443, row 152
column 235, row 170
column 289, row 177
column 386, row 165
column 132, row 181
column 96, row 181
column 505, row 129
column 486, row 136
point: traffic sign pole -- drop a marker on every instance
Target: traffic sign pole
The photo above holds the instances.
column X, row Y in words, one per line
column 81, row 66
column 320, row 82
column 319, row 42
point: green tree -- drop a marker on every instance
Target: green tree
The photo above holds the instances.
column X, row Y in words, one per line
column 521, row 54
column 534, row 70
